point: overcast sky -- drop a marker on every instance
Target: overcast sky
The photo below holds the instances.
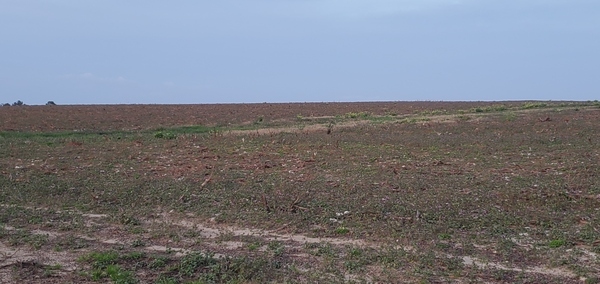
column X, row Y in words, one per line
column 197, row 51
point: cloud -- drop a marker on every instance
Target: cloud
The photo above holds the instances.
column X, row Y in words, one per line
column 94, row 78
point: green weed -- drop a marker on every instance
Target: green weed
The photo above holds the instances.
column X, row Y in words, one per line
column 101, row 259
column 362, row 114
column 532, row 105
column 556, row 243
column 165, row 135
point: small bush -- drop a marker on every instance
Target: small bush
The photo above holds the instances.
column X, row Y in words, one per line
column 165, row 135
column 492, row 108
column 18, row 103
column 50, row 103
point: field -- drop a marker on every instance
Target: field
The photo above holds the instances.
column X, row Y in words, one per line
column 396, row 192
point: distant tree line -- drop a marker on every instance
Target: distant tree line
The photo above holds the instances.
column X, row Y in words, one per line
column 20, row 103
column 17, row 103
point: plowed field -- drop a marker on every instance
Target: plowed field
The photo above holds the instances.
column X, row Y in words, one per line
column 394, row 192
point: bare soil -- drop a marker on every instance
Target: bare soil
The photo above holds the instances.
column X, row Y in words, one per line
column 333, row 192
column 138, row 117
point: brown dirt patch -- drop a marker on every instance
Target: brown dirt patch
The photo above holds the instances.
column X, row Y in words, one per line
column 141, row 117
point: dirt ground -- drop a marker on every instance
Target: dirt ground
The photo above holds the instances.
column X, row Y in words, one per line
column 390, row 192
column 137, row 117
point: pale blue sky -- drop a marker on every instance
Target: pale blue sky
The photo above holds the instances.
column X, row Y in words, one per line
column 113, row 52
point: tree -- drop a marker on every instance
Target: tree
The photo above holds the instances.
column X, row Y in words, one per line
column 18, row 103
column 50, row 103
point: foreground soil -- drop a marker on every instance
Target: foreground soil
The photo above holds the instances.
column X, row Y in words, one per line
column 496, row 192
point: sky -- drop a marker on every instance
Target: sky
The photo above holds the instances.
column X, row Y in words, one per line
column 249, row 51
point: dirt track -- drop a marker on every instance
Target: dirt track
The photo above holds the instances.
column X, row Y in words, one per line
column 212, row 233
